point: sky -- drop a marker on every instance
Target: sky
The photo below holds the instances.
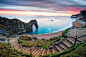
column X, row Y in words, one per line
column 42, row 7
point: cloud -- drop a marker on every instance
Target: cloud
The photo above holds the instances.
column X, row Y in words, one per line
column 58, row 6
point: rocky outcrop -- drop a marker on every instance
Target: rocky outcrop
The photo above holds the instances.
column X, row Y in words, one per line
column 82, row 16
column 83, row 13
column 77, row 24
column 74, row 16
column 3, row 30
column 81, row 19
column 15, row 26
column 30, row 24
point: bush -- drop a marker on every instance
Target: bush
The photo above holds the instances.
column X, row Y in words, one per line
column 43, row 39
column 19, row 52
column 84, row 26
column 64, row 33
column 19, row 41
column 25, row 37
column 59, row 38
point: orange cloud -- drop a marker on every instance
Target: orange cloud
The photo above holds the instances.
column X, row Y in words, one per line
column 31, row 13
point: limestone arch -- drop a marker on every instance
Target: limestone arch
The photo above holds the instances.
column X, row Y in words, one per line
column 30, row 24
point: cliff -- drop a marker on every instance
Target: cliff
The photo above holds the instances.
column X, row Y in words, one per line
column 81, row 19
column 77, row 24
column 15, row 26
column 74, row 16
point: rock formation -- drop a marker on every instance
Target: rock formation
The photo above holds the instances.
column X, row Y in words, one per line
column 15, row 26
column 77, row 24
column 30, row 24
column 82, row 16
column 74, row 16
column 81, row 19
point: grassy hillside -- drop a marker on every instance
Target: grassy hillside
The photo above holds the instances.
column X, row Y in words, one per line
column 78, row 50
column 8, row 51
column 28, row 41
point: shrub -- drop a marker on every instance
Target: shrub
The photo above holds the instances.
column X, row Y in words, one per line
column 43, row 39
column 59, row 38
column 64, row 33
column 25, row 37
column 19, row 41
column 19, row 52
column 84, row 26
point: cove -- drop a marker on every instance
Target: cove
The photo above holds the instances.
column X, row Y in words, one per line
column 52, row 25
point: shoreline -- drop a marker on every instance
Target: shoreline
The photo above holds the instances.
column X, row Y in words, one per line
column 53, row 34
column 48, row 36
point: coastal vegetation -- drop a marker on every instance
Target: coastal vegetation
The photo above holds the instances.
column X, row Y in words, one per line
column 15, row 26
column 78, row 50
column 28, row 41
column 56, row 39
column 64, row 33
column 8, row 51
column 84, row 26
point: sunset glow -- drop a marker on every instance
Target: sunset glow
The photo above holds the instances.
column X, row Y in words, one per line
column 28, row 13
column 42, row 7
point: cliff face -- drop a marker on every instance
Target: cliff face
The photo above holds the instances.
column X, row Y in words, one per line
column 15, row 26
column 74, row 16
column 77, row 24
column 81, row 19
column 83, row 13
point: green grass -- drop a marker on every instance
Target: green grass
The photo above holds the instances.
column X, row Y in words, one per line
column 28, row 41
column 78, row 50
column 64, row 33
column 39, row 43
column 8, row 51
column 84, row 26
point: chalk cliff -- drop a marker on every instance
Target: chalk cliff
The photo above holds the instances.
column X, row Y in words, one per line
column 15, row 26
column 81, row 19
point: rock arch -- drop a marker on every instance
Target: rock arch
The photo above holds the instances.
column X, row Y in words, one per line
column 30, row 24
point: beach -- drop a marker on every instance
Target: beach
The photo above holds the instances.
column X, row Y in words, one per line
column 48, row 36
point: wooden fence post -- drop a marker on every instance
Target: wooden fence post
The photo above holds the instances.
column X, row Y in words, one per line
column 75, row 41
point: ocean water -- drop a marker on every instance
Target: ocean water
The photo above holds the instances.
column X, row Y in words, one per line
column 47, row 24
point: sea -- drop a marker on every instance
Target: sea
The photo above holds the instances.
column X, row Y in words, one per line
column 46, row 24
